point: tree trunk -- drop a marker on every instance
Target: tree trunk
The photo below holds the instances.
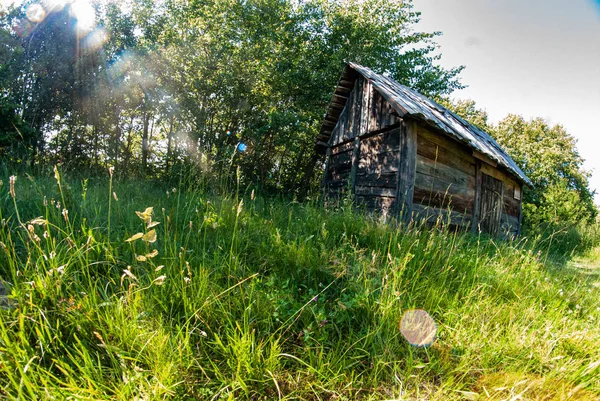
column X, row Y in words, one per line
column 169, row 140
column 145, row 144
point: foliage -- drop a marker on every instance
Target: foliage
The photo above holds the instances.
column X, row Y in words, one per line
column 549, row 157
column 240, row 297
column 158, row 85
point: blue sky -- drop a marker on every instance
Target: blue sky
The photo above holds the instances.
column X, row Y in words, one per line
column 537, row 58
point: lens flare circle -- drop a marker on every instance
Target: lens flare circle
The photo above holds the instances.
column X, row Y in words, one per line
column 418, row 328
column 35, row 13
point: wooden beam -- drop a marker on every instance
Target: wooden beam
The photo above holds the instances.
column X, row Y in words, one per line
column 407, row 169
column 326, row 174
column 355, row 160
column 485, row 158
column 520, row 214
column 477, row 200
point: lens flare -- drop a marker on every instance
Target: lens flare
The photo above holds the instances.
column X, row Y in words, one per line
column 54, row 5
column 418, row 328
column 85, row 14
column 95, row 40
column 35, row 13
column 23, row 28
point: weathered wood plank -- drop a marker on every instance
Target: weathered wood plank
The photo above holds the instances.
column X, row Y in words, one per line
column 375, row 118
column 459, row 203
column 407, row 168
column 437, row 154
column 434, row 215
column 442, row 140
column 485, row 159
column 365, row 107
column 375, row 191
column 355, row 160
column 385, row 142
column 326, row 175
column 498, row 174
column 379, row 163
column 477, row 199
column 434, row 185
column 344, row 147
column 444, row 173
column 385, row 180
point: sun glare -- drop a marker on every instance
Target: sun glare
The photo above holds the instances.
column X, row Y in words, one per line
column 85, row 14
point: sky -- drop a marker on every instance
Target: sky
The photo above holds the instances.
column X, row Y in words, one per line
column 536, row 58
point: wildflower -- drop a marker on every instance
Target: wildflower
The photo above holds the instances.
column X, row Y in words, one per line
column 174, row 190
column 203, row 333
column 322, row 322
column 146, row 215
column 159, row 268
column 315, row 299
column 127, row 273
column 187, row 280
column 65, row 214
column 111, row 170
column 242, row 147
column 150, row 236
column 11, row 190
column 159, row 280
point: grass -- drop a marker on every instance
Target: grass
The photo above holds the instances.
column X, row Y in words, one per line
column 241, row 297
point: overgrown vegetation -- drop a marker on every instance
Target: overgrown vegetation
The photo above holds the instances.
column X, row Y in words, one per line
column 154, row 87
column 238, row 297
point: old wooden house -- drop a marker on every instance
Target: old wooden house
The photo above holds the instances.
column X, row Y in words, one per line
column 397, row 152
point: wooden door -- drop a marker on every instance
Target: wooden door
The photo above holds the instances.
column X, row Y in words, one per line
column 490, row 205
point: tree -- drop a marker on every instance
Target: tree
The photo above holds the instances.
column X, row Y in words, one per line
column 549, row 157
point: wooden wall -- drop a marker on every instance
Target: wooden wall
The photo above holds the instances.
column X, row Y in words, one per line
column 364, row 150
column 445, row 177
column 375, row 157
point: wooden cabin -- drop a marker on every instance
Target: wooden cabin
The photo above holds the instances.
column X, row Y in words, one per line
column 397, row 152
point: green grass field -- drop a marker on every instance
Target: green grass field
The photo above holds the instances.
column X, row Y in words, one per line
column 236, row 297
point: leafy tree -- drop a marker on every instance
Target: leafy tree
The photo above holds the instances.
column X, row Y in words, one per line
column 549, row 157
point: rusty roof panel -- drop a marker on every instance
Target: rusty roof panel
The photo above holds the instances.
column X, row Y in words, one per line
column 409, row 102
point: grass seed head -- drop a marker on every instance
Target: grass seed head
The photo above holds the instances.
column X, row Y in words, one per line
column 12, row 180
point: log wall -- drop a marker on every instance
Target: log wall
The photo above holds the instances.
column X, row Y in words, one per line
column 364, row 151
column 445, row 177
column 388, row 164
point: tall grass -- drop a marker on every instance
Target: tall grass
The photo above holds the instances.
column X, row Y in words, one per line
column 242, row 297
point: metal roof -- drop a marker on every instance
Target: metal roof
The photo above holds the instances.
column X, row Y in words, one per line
column 408, row 102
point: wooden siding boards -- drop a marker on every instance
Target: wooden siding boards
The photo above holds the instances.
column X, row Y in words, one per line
column 395, row 164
